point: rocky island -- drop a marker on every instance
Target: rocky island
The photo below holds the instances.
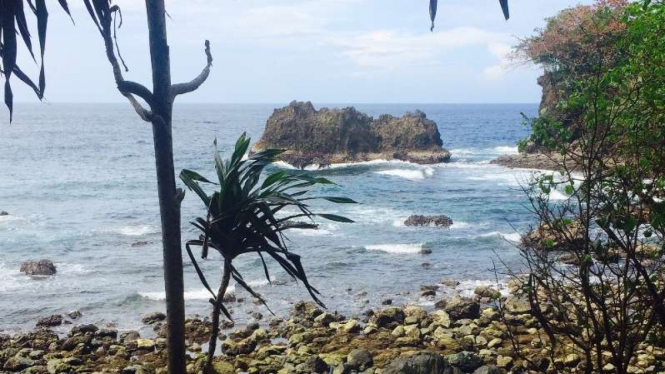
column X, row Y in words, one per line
column 327, row 136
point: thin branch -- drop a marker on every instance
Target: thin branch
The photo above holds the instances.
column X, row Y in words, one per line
column 194, row 84
column 126, row 88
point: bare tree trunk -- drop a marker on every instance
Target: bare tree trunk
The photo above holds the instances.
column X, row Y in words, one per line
column 169, row 206
column 216, row 307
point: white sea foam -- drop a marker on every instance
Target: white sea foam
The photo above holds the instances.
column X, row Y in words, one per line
column 396, row 248
column 69, row 268
column 409, row 173
column 138, row 230
column 557, row 195
column 466, row 288
column 202, row 293
column 459, row 225
column 313, row 167
column 513, row 237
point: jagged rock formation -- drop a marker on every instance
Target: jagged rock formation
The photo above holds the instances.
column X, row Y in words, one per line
column 437, row 221
column 328, row 136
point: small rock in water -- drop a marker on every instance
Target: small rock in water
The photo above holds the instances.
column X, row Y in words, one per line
column 257, row 316
column 3, row 213
column 154, row 317
column 50, row 321
column 425, row 251
column 450, row 283
column 41, row 267
column 139, row 244
column 74, row 314
column 387, row 302
column 437, row 221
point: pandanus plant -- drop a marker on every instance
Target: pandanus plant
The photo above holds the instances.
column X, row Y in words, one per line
column 245, row 216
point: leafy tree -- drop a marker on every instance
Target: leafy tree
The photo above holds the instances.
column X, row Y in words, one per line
column 608, row 296
column 243, row 217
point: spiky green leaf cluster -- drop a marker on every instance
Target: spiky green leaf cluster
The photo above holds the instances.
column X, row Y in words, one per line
column 243, row 213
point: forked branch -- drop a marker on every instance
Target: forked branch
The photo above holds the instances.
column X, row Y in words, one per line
column 194, row 84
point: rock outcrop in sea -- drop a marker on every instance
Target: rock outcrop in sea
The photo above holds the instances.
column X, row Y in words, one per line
column 41, row 267
column 327, row 136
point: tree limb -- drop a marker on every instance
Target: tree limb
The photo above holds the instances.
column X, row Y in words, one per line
column 127, row 88
column 194, row 84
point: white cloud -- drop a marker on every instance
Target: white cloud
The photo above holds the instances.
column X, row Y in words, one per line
column 391, row 49
column 502, row 52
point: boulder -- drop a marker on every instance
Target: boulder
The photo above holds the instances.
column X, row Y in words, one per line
column 436, row 221
column 3, row 213
column 467, row 361
column 388, row 317
column 41, row 267
column 488, row 369
column 359, row 359
column 422, row 363
column 327, row 136
column 463, row 308
column 50, row 321
column 154, row 317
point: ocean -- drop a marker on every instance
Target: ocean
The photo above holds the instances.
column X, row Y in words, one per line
column 78, row 181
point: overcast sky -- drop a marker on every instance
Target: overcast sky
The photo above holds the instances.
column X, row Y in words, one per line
column 326, row 51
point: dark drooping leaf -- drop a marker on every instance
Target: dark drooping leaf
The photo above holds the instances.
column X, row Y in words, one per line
column 13, row 21
column 433, row 7
column 432, row 12
column 504, row 7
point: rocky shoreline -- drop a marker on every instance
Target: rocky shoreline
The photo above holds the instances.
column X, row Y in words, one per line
column 458, row 336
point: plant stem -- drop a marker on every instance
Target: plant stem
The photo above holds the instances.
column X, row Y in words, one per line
column 216, row 309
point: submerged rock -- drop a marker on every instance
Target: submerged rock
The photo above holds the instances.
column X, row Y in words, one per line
column 438, row 221
column 328, row 136
column 41, row 267
column 422, row 363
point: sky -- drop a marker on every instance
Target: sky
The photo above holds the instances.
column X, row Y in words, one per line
column 324, row 51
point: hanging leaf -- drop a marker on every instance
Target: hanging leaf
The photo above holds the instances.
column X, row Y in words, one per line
column 432, row 12
column 504, row 7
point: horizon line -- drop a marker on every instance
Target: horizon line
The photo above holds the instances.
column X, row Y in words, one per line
column 281, row 103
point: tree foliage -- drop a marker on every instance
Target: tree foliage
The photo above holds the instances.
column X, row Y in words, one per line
column 596, row 271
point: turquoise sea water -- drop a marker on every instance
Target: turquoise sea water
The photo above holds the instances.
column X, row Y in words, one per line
column 79, row 184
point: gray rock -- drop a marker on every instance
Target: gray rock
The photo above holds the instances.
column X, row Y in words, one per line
column 488, row 369
column 462, row 308
column 422, row 363
column 41, row 267
column 74, row 314
column 466, row 361
column 18, row 363
column 359, row 359
column 154, row 317
column 3, row 213
column 50, row 321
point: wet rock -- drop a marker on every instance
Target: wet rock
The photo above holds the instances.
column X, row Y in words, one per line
column 299, row 225
column 462, row 308
column 387, row 302
column 388, row 317
column 422, row 363
column 3, row 213
column 18, row 363
column 154, row 317
column 436, row 221
column 83, row 329
column 74, row 314
column 41, row 267
column 257, row 316
column 466, row 361
column 226, row 324
column 50, row 321
column 486, row 291
column 488, row 369
column 129, row 336
column 451, row 283
column 306, row 310
column 359, row 359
